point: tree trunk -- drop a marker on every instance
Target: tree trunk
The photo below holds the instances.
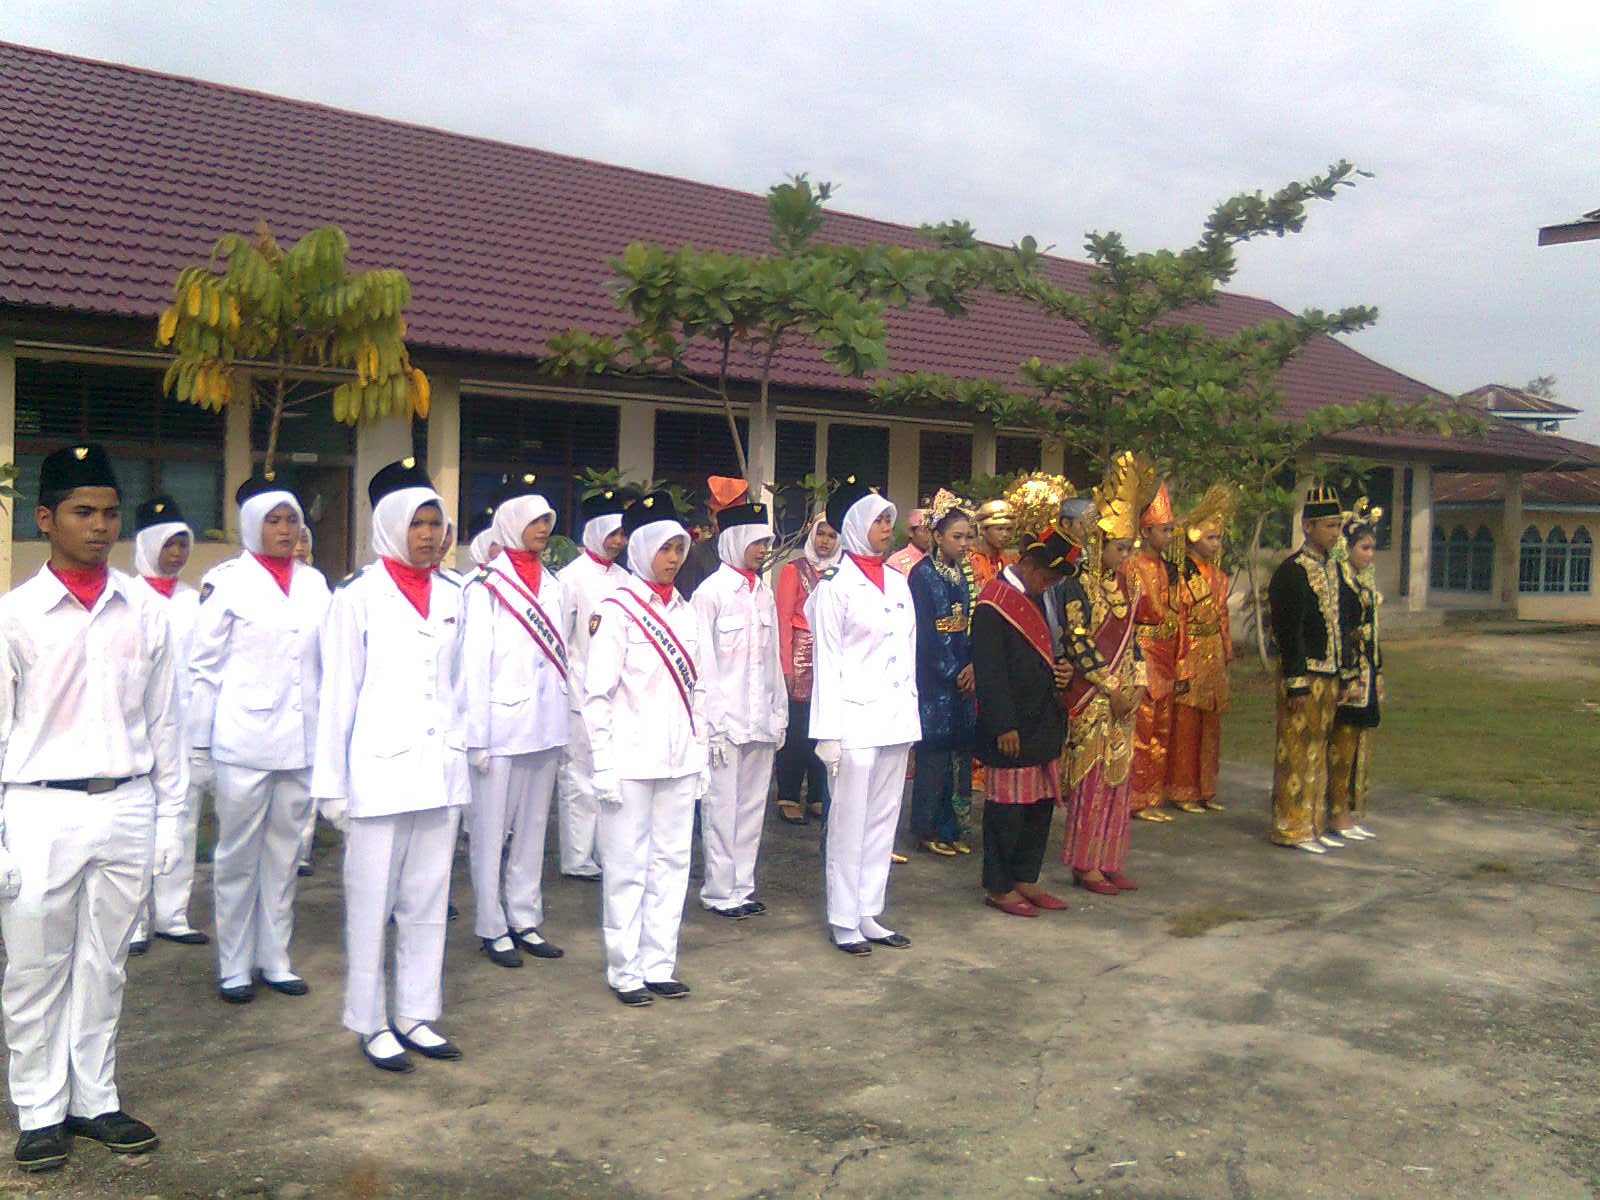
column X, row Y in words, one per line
column 727, row 408
column 277, row 416
column 1255, row 590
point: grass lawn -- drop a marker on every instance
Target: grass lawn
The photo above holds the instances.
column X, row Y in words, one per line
column 1453, row 728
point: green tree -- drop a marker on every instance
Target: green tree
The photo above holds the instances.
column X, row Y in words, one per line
column 305, row 326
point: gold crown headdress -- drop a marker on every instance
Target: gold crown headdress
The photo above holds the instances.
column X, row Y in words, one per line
column 993, row 512
column 945, row 502
column 1035, row 501
column 1363, row 515
column 1129, row 484
column 1212, row 513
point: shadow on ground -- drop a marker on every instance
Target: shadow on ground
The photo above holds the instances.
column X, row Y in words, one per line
column 1411, row 1017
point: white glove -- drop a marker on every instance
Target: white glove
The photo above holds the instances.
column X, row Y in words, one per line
column 169, row 846
column 717, row 750
column 332, row 810
column 200, row 758
column 702, row 783
column 478, row 760
column 10, row 873
column 830, row 752
column 607, row 789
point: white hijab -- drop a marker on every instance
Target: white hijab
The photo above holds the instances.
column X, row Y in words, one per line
column 734, row 541
column 514, row 516
column 597, row 529
column 858, row 519
column 479, row 548
column 645, row 542
column 391, row 520
column 816, row 560
column 147, row 544
column 253, row 514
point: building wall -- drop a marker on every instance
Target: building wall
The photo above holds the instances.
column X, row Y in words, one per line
column 1530, row 606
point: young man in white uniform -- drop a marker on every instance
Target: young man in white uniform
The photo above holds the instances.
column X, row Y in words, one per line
column 391, row 766
column 94, row 789
column 747, row 708
column 516, row 673
column 162, row 541
column 585, row 581
column 644, row 705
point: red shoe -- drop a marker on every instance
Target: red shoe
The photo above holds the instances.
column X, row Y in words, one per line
column 1046, row 901
column 1100, row 887
column 1121, row 881
column 1017, row 908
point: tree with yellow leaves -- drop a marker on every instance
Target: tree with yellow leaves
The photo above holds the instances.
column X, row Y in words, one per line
column 301, row 325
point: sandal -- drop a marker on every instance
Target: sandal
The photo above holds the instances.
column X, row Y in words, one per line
column 791, row 812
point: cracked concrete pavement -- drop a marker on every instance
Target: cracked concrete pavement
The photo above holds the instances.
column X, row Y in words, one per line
column 1415, row 1016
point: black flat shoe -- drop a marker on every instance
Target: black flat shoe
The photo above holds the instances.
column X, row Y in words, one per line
column 451, row 912
column 502, row 958
column 116, row 1131
column 895, row 941
column 400, row 1063
column 535, row 945
column 293, row 986
column 192, row 937
column 669, row 989
column 754, row 907
column 447, row 1051
column 305, row 869
column 853, row 947
column 738, row 912
column 242, row 994
column 582, row 876
column 138, row 946
column 41, row 1149
column 634, row 998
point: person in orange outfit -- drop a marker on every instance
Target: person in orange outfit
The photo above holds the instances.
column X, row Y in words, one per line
column 1160, row 632
column 702, row 562
column 992, row 554
column 1201, row 693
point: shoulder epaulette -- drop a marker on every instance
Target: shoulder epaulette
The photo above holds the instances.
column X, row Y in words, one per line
column 350, row 578
column 453, row 580
column 828, row 574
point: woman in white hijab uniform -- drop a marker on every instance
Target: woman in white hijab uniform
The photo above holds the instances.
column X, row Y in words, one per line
column 747, row 709
column 644, row 705
column 585, row 581
column 391, row 767
column 481, row 546
column 517, row 718
column 863, row 713
column 162, row 541
column 257, row 668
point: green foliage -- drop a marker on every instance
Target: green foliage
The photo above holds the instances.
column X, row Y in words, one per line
column 985, row 487
column 284, row 311
column 559, row 551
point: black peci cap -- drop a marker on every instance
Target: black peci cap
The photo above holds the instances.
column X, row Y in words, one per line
column 75, row 467
column 257, row 484
column 513, row 485
column 844, row 499
column 610, row 500
column 742, row 514
column 656, row 506
column 405, row 473
column 158, row 510
column 479, row 521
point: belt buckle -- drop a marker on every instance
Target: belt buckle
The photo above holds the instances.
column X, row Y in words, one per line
column 98, row 787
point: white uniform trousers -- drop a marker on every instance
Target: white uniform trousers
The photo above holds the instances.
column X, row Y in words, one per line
column 85, row 863
column 260, row 816
column 578, row 810
column 645, row 844
column 511, row 797
column 731, row 816
column 168, row 908
column 862, row 818
column 396, row 866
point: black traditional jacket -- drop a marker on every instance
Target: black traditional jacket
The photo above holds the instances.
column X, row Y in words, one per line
column 1361, row 656
column 1304, row 598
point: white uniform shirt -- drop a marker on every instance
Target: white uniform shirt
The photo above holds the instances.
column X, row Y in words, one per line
column 392, row 729
column 257, row 666
column 584, row 583
column 516, row 697
column 632, row 708
column 745, row 696
column 89, row 694
column 864, row 677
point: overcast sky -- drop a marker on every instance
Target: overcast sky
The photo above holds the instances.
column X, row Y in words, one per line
column 1481, row 122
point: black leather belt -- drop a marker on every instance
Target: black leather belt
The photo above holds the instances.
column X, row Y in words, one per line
column 94, row 787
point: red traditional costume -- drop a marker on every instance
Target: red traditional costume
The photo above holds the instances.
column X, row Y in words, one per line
column 1160, row 630
column 1204, row 653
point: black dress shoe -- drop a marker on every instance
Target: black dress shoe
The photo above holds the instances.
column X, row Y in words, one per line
column 447, row 1051
column 754, row 907
column 191, row 938
column 502, row 958
column 583, row 876
column 451, row 912
column 41, row 1149
column 400, row 1063
column 305, row 869
column 895, row 941
column 669, row 989
column 738, row 912
column 634, row 997
column 138, row 946
column 293, row 986
column 242, row 994
column 854, row 947
column 534, row 945
column 116, row 1131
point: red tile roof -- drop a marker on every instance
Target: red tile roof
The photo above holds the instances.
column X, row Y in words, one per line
column 1565, row 488
column 113, row 177
column 1498, row 398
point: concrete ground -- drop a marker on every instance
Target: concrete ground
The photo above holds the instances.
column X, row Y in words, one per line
column 1416, row 1016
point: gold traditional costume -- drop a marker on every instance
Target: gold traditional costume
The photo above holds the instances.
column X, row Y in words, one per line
column 1204, row 652
column 1355, row 722
column 1160, row 621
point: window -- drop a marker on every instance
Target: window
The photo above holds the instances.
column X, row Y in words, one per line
column 1530, row 561
column 859, row 450
column 796, row 458
column 942, row 459
column 1580, row 561
column 1016, row 454
column 1438, row 558
column 505, row 435
column 692, row 445
column 1460, row 560
column 157, row 444
column 1555, row 561
column 1481, row 574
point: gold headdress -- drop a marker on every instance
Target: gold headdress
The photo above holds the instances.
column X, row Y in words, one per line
column 1129, row 484
column 1159, row 510
column 1035, row 500
column 1212, row 513
column 994, row 512
column 945, row 502
column 1363, row 517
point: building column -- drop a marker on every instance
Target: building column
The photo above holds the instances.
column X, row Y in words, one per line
column 444, row 439
column 984, row 449
column 8, row 443
column 1508, row 559
column 636, row 440
column 378, row 443
column 1052, row 457
column 1302, row 485
column 1421, row 535
column 236, row 461
column 905, row 464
